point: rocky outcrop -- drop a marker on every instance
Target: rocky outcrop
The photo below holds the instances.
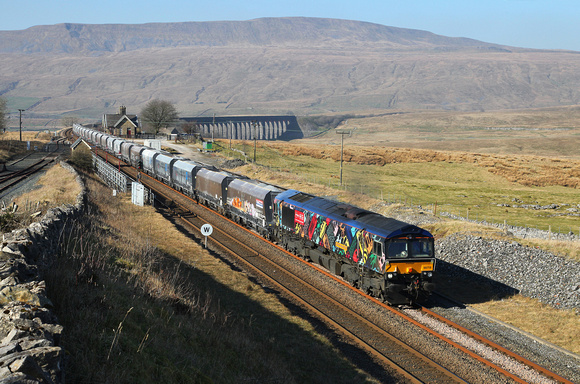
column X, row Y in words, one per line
column 30, row 350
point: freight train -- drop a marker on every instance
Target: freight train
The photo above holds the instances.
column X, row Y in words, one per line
column 387, row 258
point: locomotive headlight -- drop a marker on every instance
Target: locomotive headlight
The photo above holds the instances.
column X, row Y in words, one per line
column 428, row 274
column 390, row 275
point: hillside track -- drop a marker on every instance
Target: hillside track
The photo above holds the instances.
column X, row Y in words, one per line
column 398, row 343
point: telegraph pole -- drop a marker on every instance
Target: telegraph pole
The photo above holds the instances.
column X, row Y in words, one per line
column 212, row 127
column 21, row 110
column 231, row 133
column 342, row 133
column 254, row 124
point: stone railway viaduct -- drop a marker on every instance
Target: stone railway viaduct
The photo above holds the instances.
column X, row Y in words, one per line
column 248, row 127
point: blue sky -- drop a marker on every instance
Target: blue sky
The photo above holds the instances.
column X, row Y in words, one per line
column 547, row 24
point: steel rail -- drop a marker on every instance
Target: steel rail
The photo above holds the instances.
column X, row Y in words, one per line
column 22, row 175
column 498, row 347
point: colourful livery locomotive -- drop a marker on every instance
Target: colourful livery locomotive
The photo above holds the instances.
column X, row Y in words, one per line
column 382, row 256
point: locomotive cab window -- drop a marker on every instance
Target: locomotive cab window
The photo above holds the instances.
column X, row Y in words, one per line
column 397, row 249
column 421, row 248
column 378, row 248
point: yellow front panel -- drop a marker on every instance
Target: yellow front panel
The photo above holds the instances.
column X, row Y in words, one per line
column 409, row 267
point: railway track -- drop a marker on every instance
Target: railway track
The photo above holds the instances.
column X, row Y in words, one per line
column 11, row 180
column 381, row 342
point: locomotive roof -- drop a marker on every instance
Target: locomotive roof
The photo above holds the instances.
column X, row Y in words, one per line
column 349, row 214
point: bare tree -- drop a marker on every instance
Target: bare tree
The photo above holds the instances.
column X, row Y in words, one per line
column 159, row 114
column 3, row 115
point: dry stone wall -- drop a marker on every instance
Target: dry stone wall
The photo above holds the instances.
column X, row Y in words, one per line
column 30, row 350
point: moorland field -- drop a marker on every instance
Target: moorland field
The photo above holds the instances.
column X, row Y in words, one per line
column 476, row 165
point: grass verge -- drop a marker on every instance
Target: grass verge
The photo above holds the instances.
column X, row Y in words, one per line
column 141, row 301
column 55, row 188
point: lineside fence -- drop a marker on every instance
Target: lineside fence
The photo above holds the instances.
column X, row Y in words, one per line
column 114, row 178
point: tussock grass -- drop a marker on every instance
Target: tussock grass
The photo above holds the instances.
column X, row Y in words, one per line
column 448, row 227
column 525, row 170
column 143, row 302
column 570, row 249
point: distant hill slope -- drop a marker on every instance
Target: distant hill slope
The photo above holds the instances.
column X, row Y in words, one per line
column 288, row 32
column 273, row 66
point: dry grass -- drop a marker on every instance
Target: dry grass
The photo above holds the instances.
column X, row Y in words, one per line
column 560, row 327
column 525, row 170
column 549, row 132
column 570, row 249
column 11, row 145
column 448, row 227
column 55, row 188
column 165, row 310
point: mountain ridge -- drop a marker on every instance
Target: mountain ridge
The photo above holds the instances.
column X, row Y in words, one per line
column 73, row 38
column 274, row 66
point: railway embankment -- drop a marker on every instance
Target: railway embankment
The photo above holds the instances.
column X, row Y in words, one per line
column 30, row 348
column 533, row 272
